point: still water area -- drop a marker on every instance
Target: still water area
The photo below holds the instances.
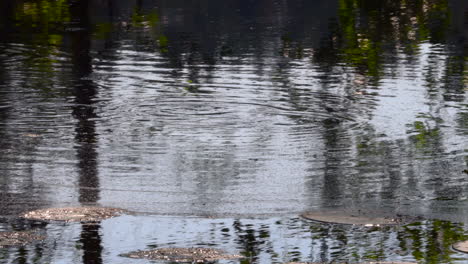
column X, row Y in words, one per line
column 218, row 123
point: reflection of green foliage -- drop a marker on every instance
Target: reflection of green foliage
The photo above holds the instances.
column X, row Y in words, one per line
column 455, row 74
column 102, row 30
column 358, row 48
column 465, row 73
column 424, row 135
column 363, row 28
column 439, row 16
column 290, row 48
column 43, row 16
column 462, row 121
column 163, row 41
column 150, row 21
column 374, row 254
column 368, row 151
column 416, row 236
column 44, row 20
column 433, row 243
column 245, row 261
column 427, row 242
column 142, row 20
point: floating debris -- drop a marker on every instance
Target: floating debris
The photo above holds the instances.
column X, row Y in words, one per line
column 18, row 238
column 191, row 255
column 74, row 214
column 336, row 217
column 461, row 246
column 31, row 135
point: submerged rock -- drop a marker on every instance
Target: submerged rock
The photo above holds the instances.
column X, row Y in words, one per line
column 18, row 238
column 461, row 246
column 74, row 214
column 192, row 255
column 346, row 218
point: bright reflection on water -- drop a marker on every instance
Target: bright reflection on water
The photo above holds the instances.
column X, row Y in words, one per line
column 235, row 110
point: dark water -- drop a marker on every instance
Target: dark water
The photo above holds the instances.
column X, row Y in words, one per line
column 218, row 122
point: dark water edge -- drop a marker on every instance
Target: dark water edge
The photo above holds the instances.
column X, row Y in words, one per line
column 220, row 122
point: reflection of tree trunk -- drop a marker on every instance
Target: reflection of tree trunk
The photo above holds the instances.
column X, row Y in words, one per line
column 3, row 98
column 333, row 163
column 86, row 137
column 247, row 240
column 83, row 111
column 6, row 9
column 91, row 241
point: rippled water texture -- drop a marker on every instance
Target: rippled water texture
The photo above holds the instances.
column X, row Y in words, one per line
column 203, row 116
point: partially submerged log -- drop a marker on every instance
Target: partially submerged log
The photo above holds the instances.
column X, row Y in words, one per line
column 347, row 218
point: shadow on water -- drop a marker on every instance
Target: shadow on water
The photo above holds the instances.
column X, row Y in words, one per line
column 84, row 112
column 244, row 112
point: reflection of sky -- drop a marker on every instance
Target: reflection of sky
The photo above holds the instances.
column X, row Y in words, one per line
column 217, row 140
column 405, row 97
column 251, row 142
column 400, row 102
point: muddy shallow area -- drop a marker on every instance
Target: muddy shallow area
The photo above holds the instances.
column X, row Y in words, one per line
column 74, row 214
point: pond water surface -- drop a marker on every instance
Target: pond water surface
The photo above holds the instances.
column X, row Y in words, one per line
column 217, row 123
